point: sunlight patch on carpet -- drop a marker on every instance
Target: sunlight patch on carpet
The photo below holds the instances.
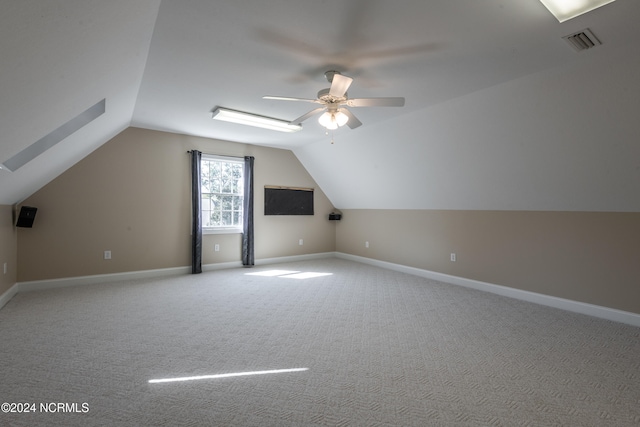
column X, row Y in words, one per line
column 307, row 275
column 230, row 375
column 289, row 274
column 271, row 273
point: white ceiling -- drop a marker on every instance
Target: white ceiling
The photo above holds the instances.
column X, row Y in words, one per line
column 500, row 112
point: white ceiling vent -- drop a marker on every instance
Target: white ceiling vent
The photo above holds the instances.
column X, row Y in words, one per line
column 582, row 40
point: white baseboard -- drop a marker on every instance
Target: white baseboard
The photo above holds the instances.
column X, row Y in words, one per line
column 550, row 301
column 8, row 294
column 219, row 266
column 37, row 285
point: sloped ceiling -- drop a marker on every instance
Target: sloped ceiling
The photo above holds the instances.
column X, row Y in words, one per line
column 500, row 112
column 58, row 58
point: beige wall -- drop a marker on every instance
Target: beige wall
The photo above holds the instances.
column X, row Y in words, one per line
column 8, row 248
column 132, row 197
column 590, row 257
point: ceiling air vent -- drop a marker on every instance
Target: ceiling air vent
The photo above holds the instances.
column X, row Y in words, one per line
column 582, row 40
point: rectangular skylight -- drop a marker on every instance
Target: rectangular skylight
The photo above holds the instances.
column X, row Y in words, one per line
column 564, row 10
column 51, row 139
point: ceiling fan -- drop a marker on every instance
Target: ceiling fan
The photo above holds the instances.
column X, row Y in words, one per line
column 334, row 101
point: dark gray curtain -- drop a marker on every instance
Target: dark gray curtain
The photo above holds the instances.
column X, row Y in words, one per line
column 196, row 208
column 247, row 220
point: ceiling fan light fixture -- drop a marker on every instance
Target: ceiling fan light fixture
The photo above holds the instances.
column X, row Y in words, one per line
column 564, row 10
column 240, row 117
column 332, row 120
column 341, row 118
column 327, row 120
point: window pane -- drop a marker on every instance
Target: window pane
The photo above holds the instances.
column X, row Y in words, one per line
column 215, row 177
column 226, row 202
column 226, row 178
column 215, row 210
column 226, row 219
column 237, row 179
column 206, row 219
column 204, row 177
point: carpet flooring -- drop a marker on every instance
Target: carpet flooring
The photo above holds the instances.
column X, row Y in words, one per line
column 366, row 346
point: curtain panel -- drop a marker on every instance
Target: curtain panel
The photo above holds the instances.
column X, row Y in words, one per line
column 196, row 212
column 247, row 220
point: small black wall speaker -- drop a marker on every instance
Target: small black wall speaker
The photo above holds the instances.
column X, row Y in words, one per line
column 26, row 216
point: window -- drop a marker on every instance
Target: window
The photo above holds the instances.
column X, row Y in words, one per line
column 222, row 194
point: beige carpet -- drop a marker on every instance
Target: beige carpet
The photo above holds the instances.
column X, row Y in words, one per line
column 381, row 348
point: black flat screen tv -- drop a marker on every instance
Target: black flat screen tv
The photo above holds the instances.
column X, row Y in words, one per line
column 26, row 216
column 288, row 201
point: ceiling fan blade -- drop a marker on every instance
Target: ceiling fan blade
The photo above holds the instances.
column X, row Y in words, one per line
column 304, row 117
column 339, row 85
column 284, row 98
column 353, row 120
column 376, row 102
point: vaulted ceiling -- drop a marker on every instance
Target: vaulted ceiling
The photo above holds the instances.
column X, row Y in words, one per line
column 501, row 113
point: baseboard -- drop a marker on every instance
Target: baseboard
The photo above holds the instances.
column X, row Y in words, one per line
column 550, row 301
column 219, row 266
column 37, row 285
column 8, row 294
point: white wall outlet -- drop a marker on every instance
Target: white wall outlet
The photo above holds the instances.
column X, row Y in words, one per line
column 453, row 257
column 300, row 242
column 107, row 254
column 366, row 244
column 4, row 268
column 216, row 247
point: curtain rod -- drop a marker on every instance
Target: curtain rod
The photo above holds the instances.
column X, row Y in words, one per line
column 218, row 155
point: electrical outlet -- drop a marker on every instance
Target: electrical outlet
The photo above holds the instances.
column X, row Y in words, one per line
column 453, row 257
column 366, row 244
column 300, row 242
column 4, row 268
column 216, row 247
column 107, row 254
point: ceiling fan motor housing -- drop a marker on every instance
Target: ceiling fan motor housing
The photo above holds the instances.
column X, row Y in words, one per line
column 327, row 98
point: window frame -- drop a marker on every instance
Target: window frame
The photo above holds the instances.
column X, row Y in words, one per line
column 238, row 229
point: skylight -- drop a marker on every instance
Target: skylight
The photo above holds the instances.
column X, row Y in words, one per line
column 564, row 10
column 52, row 138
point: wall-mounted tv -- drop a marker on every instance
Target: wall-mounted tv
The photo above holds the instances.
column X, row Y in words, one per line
column 26, row 216
column 288, row 201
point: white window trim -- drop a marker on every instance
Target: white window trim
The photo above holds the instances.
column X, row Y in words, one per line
column 233, row 159
column 221, row 230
